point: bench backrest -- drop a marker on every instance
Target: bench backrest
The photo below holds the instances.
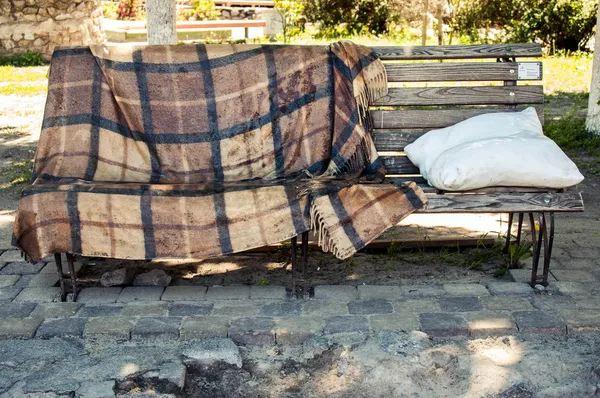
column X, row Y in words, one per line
column 437, row 86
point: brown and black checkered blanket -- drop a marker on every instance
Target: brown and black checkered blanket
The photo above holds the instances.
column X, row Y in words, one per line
column 203, row 150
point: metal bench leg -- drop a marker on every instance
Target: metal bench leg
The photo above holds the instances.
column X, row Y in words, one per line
column 67, row 294
column 305, row 263
column 294, row 242
column 61, row 277
column 544, row 240
column 508, row 232
column 74, row 291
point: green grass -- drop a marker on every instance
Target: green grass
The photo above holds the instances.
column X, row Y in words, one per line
column 24, row 81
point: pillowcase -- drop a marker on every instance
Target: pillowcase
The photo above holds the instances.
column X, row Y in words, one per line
column 425, row 150
column 510, row 161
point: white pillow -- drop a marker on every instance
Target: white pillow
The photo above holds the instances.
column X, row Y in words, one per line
column 425, row 150
column 510, row 161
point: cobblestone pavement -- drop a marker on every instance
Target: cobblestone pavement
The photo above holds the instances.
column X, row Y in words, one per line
column 258, row 317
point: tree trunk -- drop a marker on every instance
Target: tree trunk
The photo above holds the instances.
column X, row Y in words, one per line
column 425, row 23
column 592, row 122
column 161, row 20
column 440, row 24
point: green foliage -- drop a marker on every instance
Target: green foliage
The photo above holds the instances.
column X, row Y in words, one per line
column 127, row 9
column 202, row 10
column 109, row 10
column 28, row 59
column 292, row 18
column 264, row 281
column 560, row 24
column 570, row 134
column 345, row 17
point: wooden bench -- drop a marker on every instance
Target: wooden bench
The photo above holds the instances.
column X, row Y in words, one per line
column 448, row 84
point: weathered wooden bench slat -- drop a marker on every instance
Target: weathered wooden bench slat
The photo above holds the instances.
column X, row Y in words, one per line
column 399, row 165
column 437, row 118
column 485, row 95
column 455, row 72
column 513, row 202
column 458, row 52
column 394, row 140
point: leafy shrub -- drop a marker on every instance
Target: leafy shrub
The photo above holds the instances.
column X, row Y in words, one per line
column 109, row 10
column 348, row 17
column 202, row 10
column 292, row 17
column 28, row 59
column 127, row 9
column 559, row 24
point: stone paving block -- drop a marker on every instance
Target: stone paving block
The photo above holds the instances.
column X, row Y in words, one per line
column 97, row 389
column 442, row 324
column 368, row 307
column 524, row 275
column 235, row 309
column 581, row 321
column 510, row 289
column 18, row 328
column 99, row 310
column 385, row 292
column 336, row 292
column 8, row 280
column 215, row 349
column 112, row 327
column 573, row 275
column 50, row 267
column 55, row 310
column 574, row 288
column 21, row 268
column 399, row 322
column 417, row 305
column 587, row 264
column 575, row 252
column 24, row 281
column 44, row 280
column 99, row 295
column 252, row 331
column 66, row 327
column 588, row 303
column 232, row 292
column 506, row 303
column 465, row 289
column 460, row 304
column 145, row 308
column 10, row 256
column 295, row 331
column 423, row 290
column 140, row 293
column 160, row 328
column 483, row 324
column 324, row 308
column 539, row 322
column 39, row 294
column 16, row 310
column 200, row 327
column 268, row 293
column 184, row 293
column 346, row 324
column 9, row 293
column 553, row 302
column 286, row 308
column 190, row 309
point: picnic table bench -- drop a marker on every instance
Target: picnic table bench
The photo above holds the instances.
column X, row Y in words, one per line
column 406, row 113
column 446, row 85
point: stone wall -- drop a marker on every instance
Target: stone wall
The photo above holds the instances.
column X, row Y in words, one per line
column 39, row 26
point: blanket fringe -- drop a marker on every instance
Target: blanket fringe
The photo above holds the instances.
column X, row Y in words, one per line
column 325, row 240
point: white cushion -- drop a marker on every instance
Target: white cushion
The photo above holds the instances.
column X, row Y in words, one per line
column 522, row 161
column 425, row 150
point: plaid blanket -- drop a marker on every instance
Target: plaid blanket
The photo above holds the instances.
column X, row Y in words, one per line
column 197, row 151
